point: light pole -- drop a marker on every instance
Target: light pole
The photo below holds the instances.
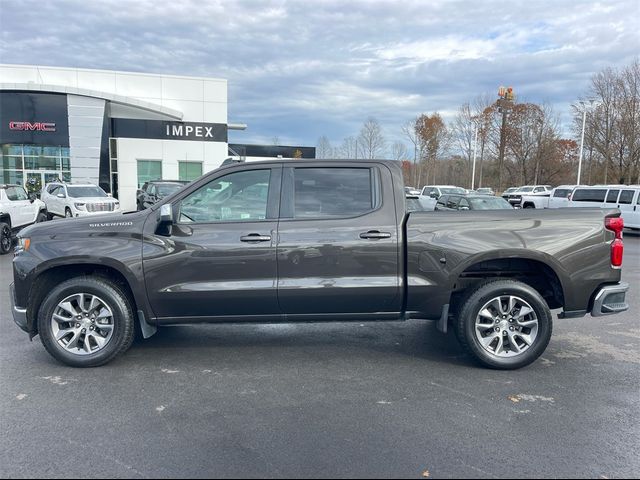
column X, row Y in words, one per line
column 475, row 150
column 592, row 104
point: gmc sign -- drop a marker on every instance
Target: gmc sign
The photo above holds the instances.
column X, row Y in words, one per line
column 36, row 126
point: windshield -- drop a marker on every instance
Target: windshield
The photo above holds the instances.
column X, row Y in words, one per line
column 489, row 203
column 453, row 190
column 79, row 192
column 168, row 189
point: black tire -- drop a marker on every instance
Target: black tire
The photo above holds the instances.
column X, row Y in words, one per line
column 123, row 321
column 67, row 213
column 42, row 217
column 6, row 238
column 528, row 205
column 465, row 323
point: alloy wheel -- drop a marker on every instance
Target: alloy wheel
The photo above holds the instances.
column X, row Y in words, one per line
column 506, row 326
column 82, row 324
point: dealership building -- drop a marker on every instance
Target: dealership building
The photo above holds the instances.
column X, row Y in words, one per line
column 115, row 129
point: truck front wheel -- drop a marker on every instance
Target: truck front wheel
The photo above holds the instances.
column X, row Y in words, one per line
column 86, row 322
column 504, row 324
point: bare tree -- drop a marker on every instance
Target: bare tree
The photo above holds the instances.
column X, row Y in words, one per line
column 463, row 131
column 324, row 148
column 612, row 130
column 399, row 151
column 371, row 142
column 411, row 133
column 349, row 148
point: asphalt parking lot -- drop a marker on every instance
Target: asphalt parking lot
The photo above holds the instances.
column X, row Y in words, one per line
column 339, row 400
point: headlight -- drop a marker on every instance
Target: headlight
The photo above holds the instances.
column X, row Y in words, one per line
column 79, row 206
column 23, row 245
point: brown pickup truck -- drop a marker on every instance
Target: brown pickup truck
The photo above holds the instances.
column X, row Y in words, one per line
column 314, row 241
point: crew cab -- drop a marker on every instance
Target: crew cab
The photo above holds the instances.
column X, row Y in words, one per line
column 314, row 241
column 17, row 210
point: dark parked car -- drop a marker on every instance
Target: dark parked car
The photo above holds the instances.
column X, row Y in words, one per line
column 319, row 240
column 152, row 192
column 472, row 202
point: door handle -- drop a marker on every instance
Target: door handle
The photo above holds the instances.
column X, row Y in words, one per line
column 375, row 235
column 255, row 237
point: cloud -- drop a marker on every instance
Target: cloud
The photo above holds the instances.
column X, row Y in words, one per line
column 299, row 70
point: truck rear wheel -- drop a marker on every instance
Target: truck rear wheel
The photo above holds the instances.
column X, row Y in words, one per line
column 6, row 240
column 504, row 324
column 86, row 322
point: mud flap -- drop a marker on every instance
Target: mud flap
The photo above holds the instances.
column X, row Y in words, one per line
column 444, row 319
column 147, row 329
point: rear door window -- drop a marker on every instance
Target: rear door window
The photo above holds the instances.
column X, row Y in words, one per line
column 589, row 195
column 329, row 192
column 626, row 197
column 612, row 196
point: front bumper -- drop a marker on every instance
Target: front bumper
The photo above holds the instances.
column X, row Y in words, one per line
column 610, row 299
column 19, row 314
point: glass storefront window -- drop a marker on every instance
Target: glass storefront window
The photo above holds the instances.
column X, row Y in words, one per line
column 11, row 162
column 12, row 176
column 189, row 170
column 41, row 163
column 12, row 150
column 33, row 150
column 33, row 166
column 51, row 151
column 149, row 170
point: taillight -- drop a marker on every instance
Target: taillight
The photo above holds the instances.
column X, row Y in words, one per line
column 616, row 224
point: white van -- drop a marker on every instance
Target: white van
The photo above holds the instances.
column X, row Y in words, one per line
column 624, row 197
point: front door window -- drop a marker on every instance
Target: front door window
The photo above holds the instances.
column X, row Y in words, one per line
column 240, row 196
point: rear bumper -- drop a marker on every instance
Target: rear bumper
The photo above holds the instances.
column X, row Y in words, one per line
column 610, row 299
column 19, row 314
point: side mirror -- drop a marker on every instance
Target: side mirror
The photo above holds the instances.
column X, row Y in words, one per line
column 165, row 221
column 166, row 214
column 61, row 195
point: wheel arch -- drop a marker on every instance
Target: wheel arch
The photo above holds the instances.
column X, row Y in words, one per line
column 540, row 271
column 55, row 273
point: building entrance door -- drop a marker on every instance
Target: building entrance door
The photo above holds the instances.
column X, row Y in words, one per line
column 35, row 180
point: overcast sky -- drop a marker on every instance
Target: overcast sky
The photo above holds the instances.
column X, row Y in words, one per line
column 301, row 69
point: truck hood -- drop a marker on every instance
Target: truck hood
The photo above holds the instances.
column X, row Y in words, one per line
column 86, row 226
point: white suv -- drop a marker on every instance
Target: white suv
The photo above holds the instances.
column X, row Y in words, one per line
column 77, row 200
column 17, row 210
